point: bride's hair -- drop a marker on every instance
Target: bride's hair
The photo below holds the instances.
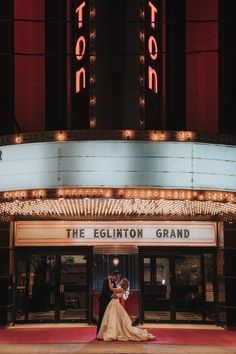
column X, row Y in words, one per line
column 125, row 286
column 125, row 283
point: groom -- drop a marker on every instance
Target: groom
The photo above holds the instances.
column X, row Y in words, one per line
column 105, row 296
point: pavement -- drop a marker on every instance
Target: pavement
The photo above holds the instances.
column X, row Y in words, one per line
column 117, row 347
column 111, row 348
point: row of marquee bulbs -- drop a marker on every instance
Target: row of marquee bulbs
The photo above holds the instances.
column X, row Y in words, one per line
column 120, row 194
column 126, row 134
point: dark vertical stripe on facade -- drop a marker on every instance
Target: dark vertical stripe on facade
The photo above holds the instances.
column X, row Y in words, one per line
column 56, row 64
column 175, row 65
column 6, row 277
column 227, row 60
column 29, row 64
column 230, row 274
column 202, row 65
column 117, row 65
column 6, row 67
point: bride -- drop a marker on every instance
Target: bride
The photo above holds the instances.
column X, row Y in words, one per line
column 116, row 324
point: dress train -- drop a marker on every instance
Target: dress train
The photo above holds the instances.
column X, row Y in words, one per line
column 116, row 325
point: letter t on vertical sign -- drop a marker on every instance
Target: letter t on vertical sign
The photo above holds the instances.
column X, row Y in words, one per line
column 81, row 63
column 152, row 63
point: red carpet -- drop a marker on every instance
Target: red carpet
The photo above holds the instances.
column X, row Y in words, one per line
column 87, row 335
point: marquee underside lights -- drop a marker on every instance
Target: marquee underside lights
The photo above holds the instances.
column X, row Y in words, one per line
column 68, row 208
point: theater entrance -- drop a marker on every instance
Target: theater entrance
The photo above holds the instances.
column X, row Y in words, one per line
column 177, row 286
column 52, row 285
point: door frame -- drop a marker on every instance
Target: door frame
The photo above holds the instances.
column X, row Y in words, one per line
column 26, row 252
column 169, row 252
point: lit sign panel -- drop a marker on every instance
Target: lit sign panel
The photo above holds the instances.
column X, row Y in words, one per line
column 28, row 233
column 81, row 63
column 118, row 164
column 152, row 63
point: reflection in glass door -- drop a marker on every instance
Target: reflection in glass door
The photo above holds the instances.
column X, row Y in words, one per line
column 156, row 289
column 42, row 287
column 188, row 288
column 73, row 287
column 21, row 289
column 209, row 287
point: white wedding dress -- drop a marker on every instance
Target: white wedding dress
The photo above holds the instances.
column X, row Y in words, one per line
column 116, row 325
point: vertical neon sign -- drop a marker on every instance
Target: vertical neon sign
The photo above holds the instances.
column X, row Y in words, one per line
column 151, row 64
column 81, row 61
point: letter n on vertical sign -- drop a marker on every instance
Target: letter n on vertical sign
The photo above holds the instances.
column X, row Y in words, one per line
column 152, row 63
column 81, row 63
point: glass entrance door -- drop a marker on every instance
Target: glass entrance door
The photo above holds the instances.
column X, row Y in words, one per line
column 188, row 288
column 42, row 285
column 157, row 289
column 178, row 288
column 73, row 287
column 51, row 287
column 36, row 286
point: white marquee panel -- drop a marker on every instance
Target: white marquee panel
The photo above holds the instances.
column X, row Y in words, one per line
column 118, row 164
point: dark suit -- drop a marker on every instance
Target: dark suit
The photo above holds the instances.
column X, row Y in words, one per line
column 105, row 298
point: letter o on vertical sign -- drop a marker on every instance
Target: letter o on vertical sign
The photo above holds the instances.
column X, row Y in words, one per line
column 152, row 47
column 80, row 48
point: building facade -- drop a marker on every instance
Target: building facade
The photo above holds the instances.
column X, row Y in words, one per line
column 117, row 151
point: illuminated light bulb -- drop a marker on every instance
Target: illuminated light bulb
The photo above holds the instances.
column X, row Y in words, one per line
column 18, row 139
column 142, row 59
column 60, row 192
column 189, row 135
column 108, row 194
column 92, row 35
column 127, row 134
column 141, row 80
column 92, row 58
column 208, row 196
column 141, row 102
column 120, row 192
column 92, row 123
column 141, row 36
column 142, row 14
column 93, row 101
column 153, row 136
column 189, row 195
column 163, row 136
column 92, row 80
column 141, row 123
column 60, row 136
column 156, row 194
column 92, row 12
column 162, row 194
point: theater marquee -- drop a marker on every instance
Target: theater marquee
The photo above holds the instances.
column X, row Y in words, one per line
column 47, row 233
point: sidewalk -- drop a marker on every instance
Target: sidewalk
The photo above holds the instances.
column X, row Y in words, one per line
column 110, row 348
column 74, row 338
